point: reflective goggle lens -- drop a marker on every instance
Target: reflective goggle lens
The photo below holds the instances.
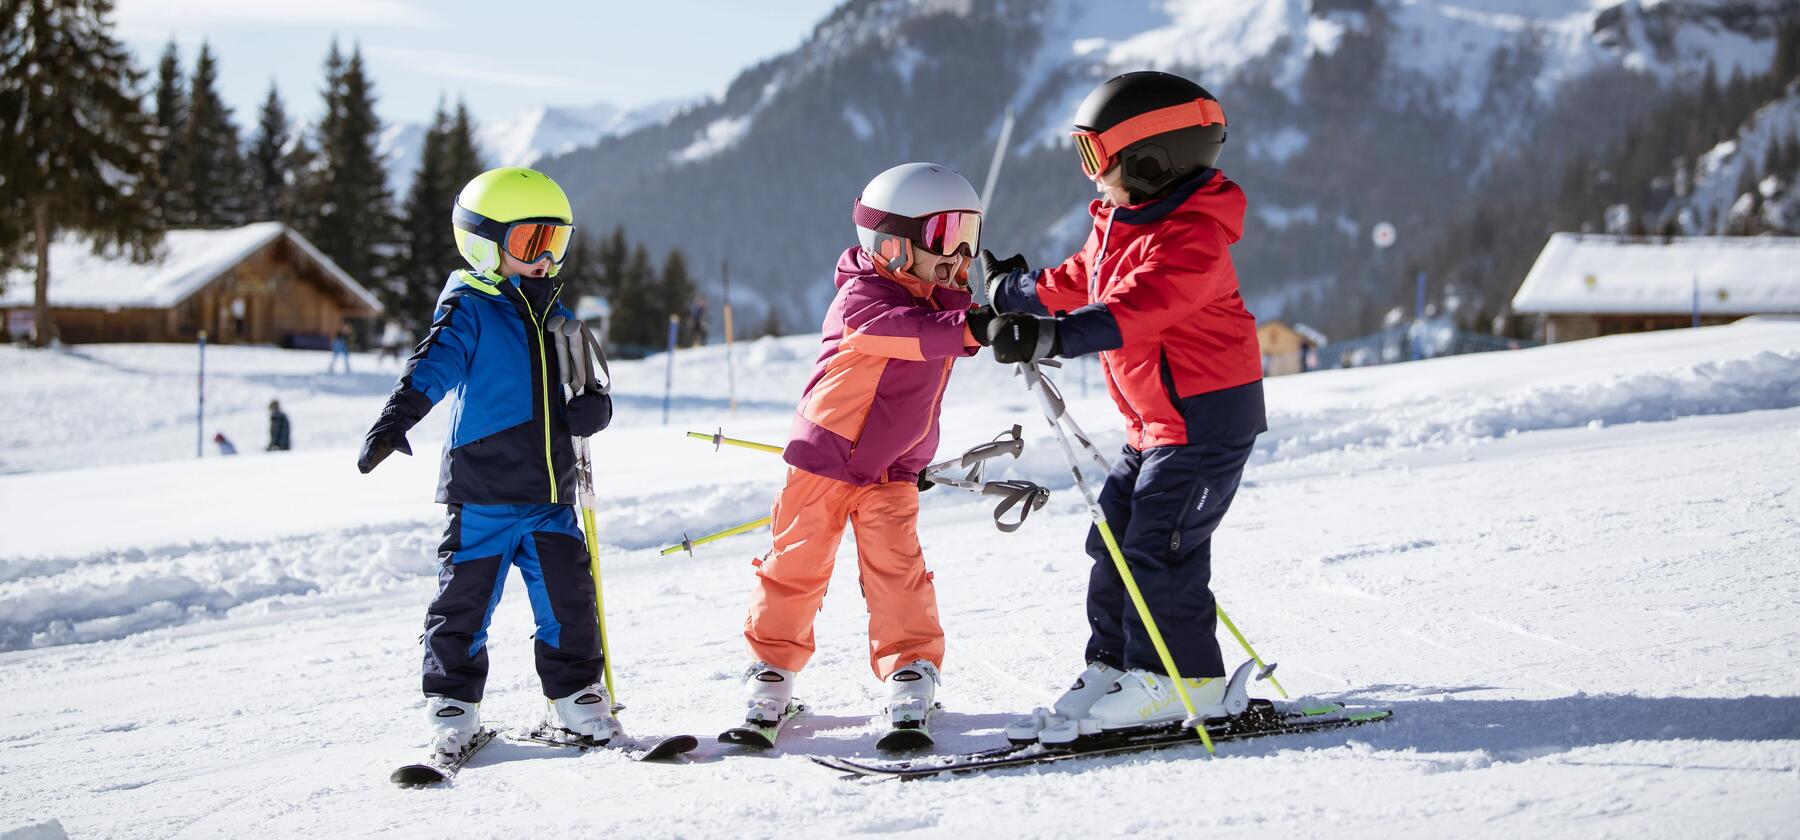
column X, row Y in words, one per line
column 946, row 233
column 528, row 241
column 1093, row 156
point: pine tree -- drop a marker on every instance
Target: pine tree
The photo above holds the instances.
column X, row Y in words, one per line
column 675, row 289
column 427, row 249
column 171, row 125
column 80, row 152
column 462, row 160
column 348, row 216
column 209, row 165
column 638, row 321
column 267, row 162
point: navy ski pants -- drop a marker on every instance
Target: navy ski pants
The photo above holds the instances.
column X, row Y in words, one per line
column 1163, row 505
column 548, row 548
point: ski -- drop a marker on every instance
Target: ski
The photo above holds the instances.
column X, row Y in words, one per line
column 910, row 734
column 1261, row 719
column 758, row 734
column 441, row 768
column 638, row 749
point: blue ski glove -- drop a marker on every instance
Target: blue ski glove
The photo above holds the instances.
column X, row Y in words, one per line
column 1023, row 338
column 388, row 435
column 589, row 413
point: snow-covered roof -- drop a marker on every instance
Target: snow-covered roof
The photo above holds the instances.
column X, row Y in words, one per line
column 1598, row 274
column 187, row 261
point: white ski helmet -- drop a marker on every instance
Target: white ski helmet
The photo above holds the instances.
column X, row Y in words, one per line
column 925, row 204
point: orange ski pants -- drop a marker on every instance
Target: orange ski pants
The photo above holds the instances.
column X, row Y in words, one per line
column 809, row 518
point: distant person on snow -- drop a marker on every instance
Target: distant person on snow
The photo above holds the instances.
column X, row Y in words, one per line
column 697, row 331
column 1154, row 293
column 278, row 428
column 224, row 444
column 393, row 337
column 867, row 423
column 509, row 470
column 340, row 348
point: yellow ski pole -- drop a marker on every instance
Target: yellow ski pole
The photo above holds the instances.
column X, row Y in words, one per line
column 1053, row 412
column 719, row 439
column 688, row 544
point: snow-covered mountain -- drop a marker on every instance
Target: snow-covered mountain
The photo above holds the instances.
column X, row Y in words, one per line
column 1344, row 113
column 1710, row 198
column 524, row 138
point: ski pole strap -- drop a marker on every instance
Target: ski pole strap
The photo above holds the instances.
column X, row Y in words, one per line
column 1023, row 495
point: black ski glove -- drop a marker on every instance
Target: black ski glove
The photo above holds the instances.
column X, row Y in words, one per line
column 995, row 271
column 925, row 483
column 388, row 435
column 589, row 413
column 1024, row 338
column 979, row 320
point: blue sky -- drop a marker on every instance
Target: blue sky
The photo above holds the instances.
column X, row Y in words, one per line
column 501, row 57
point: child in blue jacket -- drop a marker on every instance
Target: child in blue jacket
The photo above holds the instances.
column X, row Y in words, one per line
column 508, row 472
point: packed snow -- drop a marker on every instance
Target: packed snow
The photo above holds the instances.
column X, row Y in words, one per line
column 1569, row 570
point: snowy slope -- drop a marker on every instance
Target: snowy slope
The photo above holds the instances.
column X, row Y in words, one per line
column 1570, row 570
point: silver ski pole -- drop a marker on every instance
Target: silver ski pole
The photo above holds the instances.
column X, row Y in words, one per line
column 1054, row 407
column 579, row 352
column 1053, row 412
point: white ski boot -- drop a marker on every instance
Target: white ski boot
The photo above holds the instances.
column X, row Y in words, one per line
column 1093, row 682
column 451, row 723
column 586, row 713
column 770, row 692
column 911, row 692
column 1145, row 699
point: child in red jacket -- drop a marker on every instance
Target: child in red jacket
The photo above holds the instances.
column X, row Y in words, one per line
column 1153, row 292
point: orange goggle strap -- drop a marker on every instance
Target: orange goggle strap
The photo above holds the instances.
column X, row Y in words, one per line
column 1098, row 148
column 500, row 233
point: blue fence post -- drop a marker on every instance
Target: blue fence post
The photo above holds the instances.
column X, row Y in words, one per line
column 669, row 375
column 200, row 413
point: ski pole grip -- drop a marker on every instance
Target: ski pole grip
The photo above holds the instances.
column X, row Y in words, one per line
column 581, row 372
column 565, row 370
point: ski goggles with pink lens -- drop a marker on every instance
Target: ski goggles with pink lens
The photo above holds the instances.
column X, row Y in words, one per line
column 944, row 233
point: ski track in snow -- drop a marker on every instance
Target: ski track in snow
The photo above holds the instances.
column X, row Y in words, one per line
column 1571, row 572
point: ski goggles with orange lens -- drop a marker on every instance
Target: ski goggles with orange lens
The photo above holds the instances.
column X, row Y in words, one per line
column 1098, row 148
column 527, row 240
column 944, row 233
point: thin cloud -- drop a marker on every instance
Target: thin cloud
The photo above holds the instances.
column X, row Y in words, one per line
column 461, row 65
column 156, row 18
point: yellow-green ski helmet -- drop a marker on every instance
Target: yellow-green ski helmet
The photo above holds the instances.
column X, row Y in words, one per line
column 507, row 204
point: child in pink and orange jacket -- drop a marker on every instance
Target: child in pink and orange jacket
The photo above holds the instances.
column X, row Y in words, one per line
column 866, row 426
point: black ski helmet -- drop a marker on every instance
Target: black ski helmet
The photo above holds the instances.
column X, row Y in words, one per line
column 1150, row 164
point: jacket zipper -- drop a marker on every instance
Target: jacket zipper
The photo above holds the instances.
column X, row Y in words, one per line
column 544, row 391
column 943, row 380
column 1094, row 297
